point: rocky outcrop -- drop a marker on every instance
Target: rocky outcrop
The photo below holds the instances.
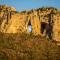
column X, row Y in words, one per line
column 43, row 21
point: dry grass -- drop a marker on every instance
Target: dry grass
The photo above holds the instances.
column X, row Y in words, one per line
column 27, row 47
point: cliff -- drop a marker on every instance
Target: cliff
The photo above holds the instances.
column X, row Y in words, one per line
column 43, row 21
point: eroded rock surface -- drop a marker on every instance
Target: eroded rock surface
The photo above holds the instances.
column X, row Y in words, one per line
column 44, row 21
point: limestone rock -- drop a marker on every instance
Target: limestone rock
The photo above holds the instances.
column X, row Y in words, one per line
column 44, row 21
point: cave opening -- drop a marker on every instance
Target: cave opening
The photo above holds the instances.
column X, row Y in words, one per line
column 43, row 27
column 48, row 28
column 29, row 26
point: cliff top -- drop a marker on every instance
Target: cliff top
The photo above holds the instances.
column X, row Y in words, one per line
column 8, row 8
column 39, row 10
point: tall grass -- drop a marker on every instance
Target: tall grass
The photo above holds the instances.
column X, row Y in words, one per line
column 27, row 47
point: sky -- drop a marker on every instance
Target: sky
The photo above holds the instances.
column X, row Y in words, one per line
column 22, row 5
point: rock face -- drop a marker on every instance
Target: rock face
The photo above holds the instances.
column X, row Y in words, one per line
column 43, row 21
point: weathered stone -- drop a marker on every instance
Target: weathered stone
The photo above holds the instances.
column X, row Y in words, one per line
column 44, row 21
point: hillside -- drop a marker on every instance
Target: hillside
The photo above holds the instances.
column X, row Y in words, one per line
column 18, row 43
column 28, row 47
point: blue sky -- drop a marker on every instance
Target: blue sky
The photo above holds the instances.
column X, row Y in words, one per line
column 22, row 5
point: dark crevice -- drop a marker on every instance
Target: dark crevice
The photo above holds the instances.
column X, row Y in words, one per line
column 43, row 27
